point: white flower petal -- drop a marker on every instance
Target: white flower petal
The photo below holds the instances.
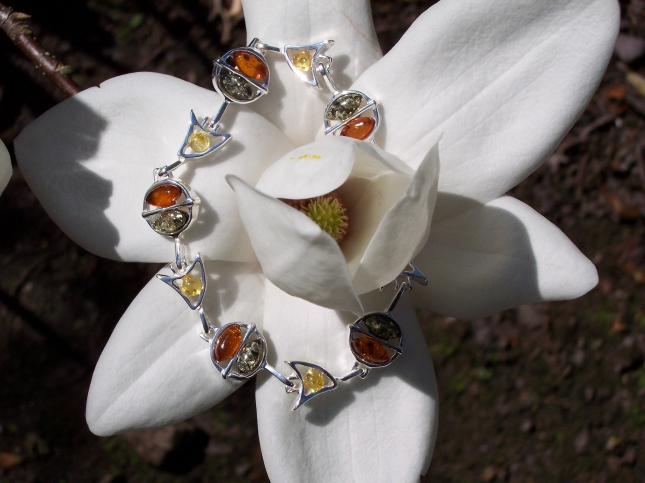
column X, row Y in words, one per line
column 495, row 256
column 90, row 160
column 322, row 166
column 378, row 430
column 403, row 231
column 155, row 370
column 5, row 167
column 292, row 105
column 295, row 254
column 503, row 81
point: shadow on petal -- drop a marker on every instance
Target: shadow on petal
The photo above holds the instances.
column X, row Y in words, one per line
column 482, row 259
column 356, row 431
column 410, row 368
column 74, row 196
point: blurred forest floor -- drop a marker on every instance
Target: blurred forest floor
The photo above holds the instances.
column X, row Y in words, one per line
column 551, row 392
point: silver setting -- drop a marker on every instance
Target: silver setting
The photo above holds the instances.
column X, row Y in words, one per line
column 358, row 369
column 368, row 104
column 230, row 371
column 220, row 65
column 257, row 44
column 320, row 69
column 299, row 387
column 358, row 327
column 317, row 58
column 412, row 274
column 193, row 302
column 211, row 130
column 248, row 356
column 189, row 205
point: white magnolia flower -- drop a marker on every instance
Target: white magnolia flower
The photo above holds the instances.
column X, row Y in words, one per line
column 5, row 167
column 500, row 82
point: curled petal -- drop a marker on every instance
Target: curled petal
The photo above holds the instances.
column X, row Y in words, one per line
column 295, row 254
column 403, row 231
column 90, row 160
column 293, row 106
column 504, row 82
column 322, row 166
column 495, row 256
column 155, row 370
column 378, row 430
column 5, row 167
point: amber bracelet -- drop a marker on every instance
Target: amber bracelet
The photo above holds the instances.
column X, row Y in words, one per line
column 239, row 350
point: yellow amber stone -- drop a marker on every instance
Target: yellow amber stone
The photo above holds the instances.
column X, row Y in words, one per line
column 199, row 141
column 191, row 286
column 302, row 60
column 313, row 381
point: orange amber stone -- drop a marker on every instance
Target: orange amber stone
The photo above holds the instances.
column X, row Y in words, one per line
column 370, row 350
column 358, row 128
column 164, row 195
column 227, row 343
column 251, row 65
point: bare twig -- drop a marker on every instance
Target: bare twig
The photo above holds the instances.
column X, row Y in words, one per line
column 14, row 25
column 230, row 15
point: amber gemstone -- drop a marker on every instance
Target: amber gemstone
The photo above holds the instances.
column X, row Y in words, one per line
column 344, row 107
column 251, row 65
column 302, row 60
column 171, row 222
column 191, row 286
column 370, row 350
column 313, row 381
column 227, row 343
column 236, row 86
column 250, row 357
column 199, row 141
column 358, row 128
column 164, row 195
column 382, row 326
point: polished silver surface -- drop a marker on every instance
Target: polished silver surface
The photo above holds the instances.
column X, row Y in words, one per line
column 251, row 334
column 208, row 127
column 321, row 69
column 278, row 375
column 300, row 388
column 190, row 204
column 220, row 64
column 397, row 349
column 317, row 58
column 193, row 302
column 369, row 106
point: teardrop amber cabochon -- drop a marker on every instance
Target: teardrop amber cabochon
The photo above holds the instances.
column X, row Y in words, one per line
column 227, row 343
column 358, row 128
column 371, row 350
column 164, row 195
column 251, row 65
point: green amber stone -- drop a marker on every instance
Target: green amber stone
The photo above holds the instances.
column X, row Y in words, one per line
column 236, row 86
column 344, row 107
column 250, row 356
column 382, row 327
column 171, row 222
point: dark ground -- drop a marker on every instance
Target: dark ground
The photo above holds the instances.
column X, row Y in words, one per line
column 553, row 392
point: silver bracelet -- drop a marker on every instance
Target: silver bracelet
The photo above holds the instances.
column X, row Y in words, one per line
column 239, row 350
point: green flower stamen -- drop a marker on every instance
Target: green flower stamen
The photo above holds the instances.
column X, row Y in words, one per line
column 328, row 213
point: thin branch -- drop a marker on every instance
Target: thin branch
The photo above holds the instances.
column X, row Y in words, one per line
column 14, row 25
